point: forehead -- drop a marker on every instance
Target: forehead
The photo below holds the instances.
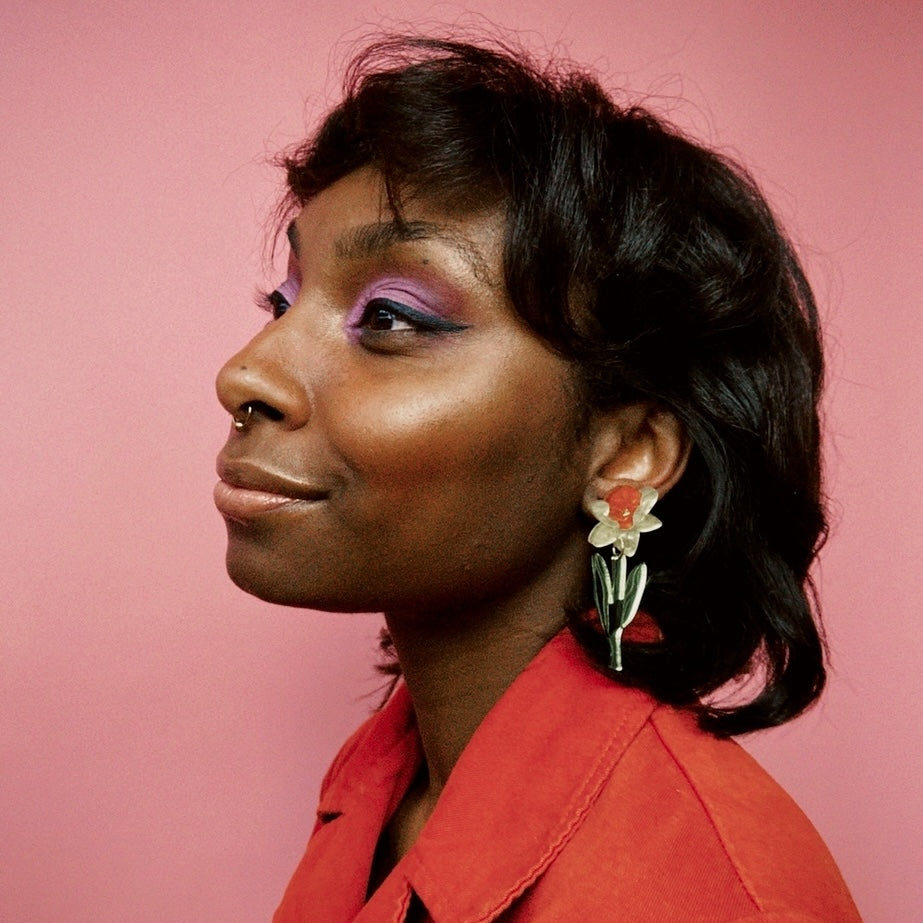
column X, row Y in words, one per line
column 352, row 220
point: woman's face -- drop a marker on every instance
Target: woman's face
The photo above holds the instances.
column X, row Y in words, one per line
column 412, row 444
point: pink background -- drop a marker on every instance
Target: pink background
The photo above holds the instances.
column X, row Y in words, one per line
column 162, row 736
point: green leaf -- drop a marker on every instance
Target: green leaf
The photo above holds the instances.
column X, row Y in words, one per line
column 602, row 589
column 634, row 590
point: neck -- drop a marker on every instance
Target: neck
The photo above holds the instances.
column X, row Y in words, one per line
column 454, row 685
column 457, row 664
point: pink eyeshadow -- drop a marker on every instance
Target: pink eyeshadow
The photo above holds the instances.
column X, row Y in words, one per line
column 399, row 289
column 289, row 289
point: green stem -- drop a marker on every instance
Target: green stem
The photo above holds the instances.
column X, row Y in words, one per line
column 620, row 581
column 622, row 577
column 615, row 650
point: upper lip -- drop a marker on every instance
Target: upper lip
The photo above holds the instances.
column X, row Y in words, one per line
column 250, row 475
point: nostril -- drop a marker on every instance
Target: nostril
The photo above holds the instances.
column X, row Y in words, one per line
column 266, row 410
column 261, row 391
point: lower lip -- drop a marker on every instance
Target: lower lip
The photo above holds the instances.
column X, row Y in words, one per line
column 241, row 504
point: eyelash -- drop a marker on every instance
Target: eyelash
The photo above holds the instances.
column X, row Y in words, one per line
column 418, row 321
column 276, row 304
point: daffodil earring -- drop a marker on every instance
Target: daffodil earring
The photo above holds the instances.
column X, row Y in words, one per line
column 623, row 516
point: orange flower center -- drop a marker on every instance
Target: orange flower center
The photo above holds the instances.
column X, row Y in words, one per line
column 623, row 502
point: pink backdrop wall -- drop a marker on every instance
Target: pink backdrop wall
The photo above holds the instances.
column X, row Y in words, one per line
column 162, row 736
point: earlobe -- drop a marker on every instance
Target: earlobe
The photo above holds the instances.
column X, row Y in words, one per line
column 644, row 445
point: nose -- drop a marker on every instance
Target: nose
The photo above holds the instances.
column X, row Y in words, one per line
column 260, row 376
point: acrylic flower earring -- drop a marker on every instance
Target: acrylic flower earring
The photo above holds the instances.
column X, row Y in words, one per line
column 623, row 516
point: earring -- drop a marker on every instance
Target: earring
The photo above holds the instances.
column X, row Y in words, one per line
column 622, row 517
column 241, row 424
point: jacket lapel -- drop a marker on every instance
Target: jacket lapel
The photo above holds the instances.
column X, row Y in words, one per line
column 363, row 786
column 523, row 785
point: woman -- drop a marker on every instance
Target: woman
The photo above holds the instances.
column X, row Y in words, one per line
column 515, row 314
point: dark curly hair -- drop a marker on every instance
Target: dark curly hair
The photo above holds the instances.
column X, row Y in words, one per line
column 656, row 266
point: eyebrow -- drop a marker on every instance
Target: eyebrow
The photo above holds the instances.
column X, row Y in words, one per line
column 370, row 240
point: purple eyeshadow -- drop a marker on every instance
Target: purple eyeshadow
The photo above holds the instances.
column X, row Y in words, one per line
column 403, row 291
column 289, row 289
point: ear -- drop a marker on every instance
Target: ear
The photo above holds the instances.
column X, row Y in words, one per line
column 641, row 444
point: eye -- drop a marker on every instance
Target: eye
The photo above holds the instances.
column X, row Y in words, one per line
column 274, row 303
column 383, row 315
column 278, row 301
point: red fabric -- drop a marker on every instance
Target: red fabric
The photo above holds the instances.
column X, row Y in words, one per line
column 576, row 800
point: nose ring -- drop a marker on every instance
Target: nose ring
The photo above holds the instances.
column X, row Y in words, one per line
column 242, row 422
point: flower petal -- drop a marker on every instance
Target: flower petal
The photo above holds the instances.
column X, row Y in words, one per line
column 600, row 509
column 627, row 542
column 648, row 524
column 648, row 499
column 602, row 534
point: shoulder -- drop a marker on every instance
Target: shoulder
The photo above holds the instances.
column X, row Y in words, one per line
column 785, row 916
column 770, row 843
column 690, row 827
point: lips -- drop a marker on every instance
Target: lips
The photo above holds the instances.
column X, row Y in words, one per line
column 247, row 490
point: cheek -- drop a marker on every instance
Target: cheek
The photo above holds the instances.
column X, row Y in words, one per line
column 465, row 453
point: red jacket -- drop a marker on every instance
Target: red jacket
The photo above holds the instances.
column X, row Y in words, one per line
column 575, row 800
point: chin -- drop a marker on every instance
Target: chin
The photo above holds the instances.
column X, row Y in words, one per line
column 281, row 589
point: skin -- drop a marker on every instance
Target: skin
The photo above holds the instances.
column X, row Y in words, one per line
column 442, row 473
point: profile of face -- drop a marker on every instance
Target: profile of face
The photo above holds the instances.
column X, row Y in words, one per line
column 412, row 444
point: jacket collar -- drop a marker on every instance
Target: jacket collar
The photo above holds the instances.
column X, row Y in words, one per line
column 520, row 789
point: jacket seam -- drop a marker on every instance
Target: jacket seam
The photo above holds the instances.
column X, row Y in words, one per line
column 694, row 788
column 589, row 790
